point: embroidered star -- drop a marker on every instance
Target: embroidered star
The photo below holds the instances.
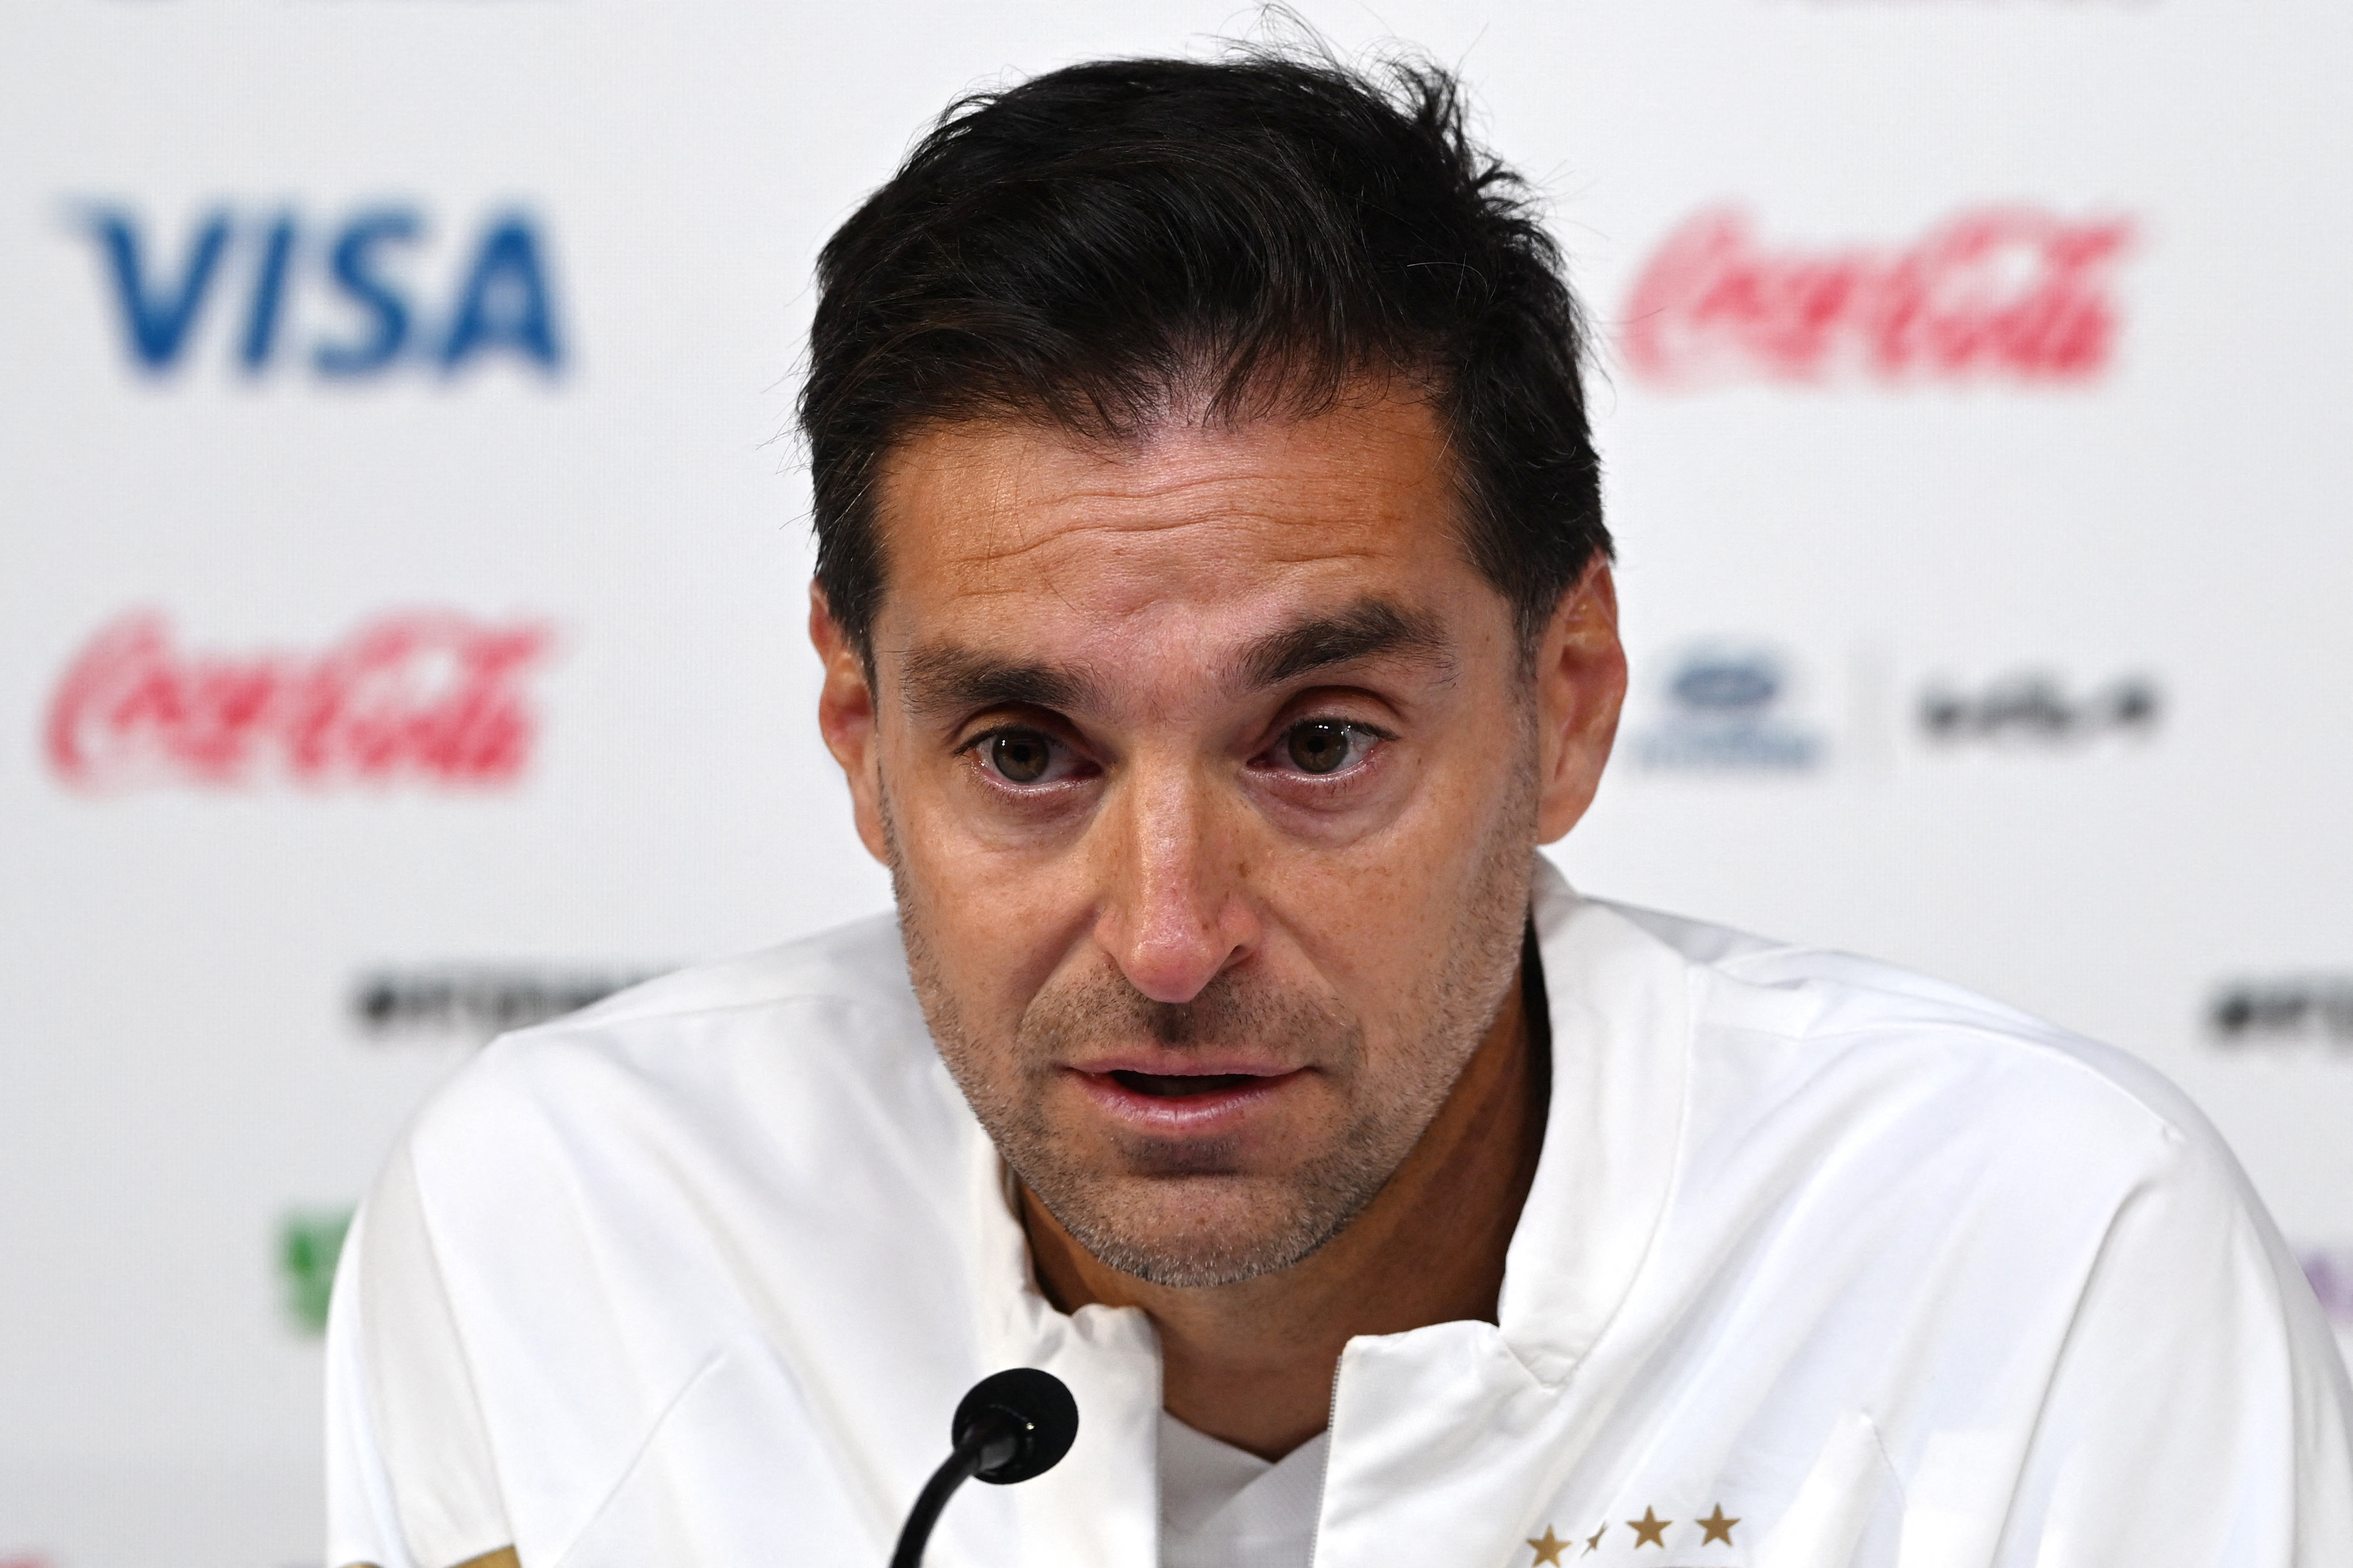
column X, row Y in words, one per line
column 1649, row 1530
column 1549, row 1549
column 1593, row 1541
column 1718, row 1527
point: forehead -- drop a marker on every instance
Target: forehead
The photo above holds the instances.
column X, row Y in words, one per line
column 1010, row 531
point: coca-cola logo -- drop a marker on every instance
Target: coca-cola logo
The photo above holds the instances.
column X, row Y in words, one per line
column 2005, row 292
column 422, row 696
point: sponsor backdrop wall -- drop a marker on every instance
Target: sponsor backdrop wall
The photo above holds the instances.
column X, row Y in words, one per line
column 401, row 583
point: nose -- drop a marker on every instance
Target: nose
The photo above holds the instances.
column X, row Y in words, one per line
column 1174, row 915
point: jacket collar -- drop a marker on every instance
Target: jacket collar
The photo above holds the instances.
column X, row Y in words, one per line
column 1619, row 1001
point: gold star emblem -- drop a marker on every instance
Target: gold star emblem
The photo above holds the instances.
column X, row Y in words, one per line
column 1593, row 1541
column 1718, row 1527
column 1549, row 1549
column 1649, row 1530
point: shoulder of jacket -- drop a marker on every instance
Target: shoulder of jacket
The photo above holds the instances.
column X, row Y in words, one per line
column 837, row 1002
column 1830, row 1018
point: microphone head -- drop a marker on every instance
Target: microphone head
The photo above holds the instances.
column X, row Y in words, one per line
column 1033, row 1408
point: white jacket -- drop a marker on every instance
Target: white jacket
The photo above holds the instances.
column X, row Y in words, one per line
column 1825, row 1264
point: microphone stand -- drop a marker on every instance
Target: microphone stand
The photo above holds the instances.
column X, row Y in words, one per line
column 971, row 1456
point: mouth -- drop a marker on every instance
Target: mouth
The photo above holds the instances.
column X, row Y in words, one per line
column 1162, row 1105
column 1180, row 1086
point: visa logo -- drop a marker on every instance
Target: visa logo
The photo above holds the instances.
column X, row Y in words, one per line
column 342, row 300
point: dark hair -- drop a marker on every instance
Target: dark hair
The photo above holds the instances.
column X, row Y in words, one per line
column 1107, row 240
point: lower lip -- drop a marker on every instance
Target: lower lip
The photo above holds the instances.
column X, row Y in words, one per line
column 1212, row 1111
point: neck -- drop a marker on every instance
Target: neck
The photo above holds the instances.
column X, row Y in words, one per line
column 1252, row 1363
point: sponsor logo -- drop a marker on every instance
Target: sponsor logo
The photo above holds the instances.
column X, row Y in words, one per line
column 2286, row 1010
column 340, row 301
column 478, row 1001
column 309, row 1242
column 2330, row 1269
column 2005, row 292
column 2036, row 709
column 425, row 696
column 1725, row 709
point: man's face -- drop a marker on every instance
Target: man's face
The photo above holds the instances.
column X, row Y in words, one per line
column 1209, row 775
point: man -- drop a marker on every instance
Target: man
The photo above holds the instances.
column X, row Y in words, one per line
column 1216, row 616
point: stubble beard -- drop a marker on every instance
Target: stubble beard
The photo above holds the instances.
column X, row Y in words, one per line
column 1183, row 1216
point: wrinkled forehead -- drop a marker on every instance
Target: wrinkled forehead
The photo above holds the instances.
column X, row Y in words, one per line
column 1183, row 543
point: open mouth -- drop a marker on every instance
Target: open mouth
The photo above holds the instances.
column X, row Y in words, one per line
column 1171, row 1086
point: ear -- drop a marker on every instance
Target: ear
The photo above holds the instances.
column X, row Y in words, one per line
column 1580, row 685
column 845, row 716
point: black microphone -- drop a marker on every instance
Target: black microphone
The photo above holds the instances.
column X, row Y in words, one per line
column 1013, row 1424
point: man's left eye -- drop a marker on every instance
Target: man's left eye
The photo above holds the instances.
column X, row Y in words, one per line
column 1325, row 745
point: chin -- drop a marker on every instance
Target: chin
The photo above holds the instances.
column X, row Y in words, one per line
column 1198, row 1231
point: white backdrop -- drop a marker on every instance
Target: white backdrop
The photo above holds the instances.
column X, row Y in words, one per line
column 401, row 578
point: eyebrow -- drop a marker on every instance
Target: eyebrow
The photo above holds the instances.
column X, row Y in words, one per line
column 1369, row 627
column 944, row 678
column 941, row 679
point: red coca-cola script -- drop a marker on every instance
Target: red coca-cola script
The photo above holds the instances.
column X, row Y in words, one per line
column 425, row 696
column 2008, row 293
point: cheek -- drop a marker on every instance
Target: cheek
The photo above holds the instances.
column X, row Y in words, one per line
column 996, row 925
column 1364, row 932
column 1382, row 919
